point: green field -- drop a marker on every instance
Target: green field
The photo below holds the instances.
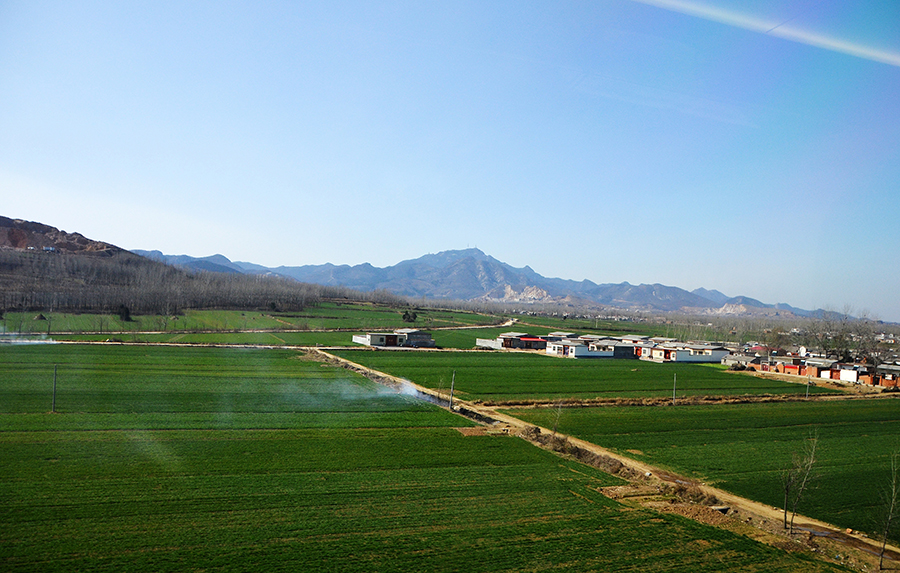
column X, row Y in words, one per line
column 324, row 316
column 461, row 339
column 543, row 324
column 744, row 448
column 274, row 338
column 465, row 339
column 504, row 376
column 187, row 459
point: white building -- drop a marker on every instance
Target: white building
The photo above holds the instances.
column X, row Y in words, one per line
column 568, row 348
column 520, row 340
column 686, row 353
column 602, row 348
column 400, row 337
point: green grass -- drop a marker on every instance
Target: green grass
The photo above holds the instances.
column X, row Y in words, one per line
column 186, row 459
column 744, row 448
column 465, row 339
column 144, row 379
column 502, row 376
column 344, row 500
column 325, row 316
column 538, row 324
column 277, row 338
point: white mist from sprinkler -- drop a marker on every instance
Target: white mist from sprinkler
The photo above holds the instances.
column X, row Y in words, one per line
column 13, row 337
column 406, row 388
column 155, row 450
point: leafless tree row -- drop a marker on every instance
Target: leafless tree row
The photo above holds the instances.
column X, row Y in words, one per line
column 61, row 281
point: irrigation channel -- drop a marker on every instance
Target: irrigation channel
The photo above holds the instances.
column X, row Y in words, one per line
column 485, row 414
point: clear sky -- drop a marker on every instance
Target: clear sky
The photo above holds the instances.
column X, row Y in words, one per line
column 747, row 146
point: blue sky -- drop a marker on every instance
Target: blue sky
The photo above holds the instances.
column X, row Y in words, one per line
column 751, row 147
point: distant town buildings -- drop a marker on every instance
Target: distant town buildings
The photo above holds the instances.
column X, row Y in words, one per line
column 752, row 356
column 571, row 345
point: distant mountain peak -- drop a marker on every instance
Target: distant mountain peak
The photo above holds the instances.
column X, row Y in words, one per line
column 471, row 274
column 444, row 259
column 713, row 295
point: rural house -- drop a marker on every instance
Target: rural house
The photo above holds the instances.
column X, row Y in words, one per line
column 401, row 337
column 521, row 340
column 590, row 347
column 670, row 352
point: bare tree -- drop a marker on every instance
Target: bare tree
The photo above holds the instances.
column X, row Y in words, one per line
column 890, row 497
column 796, row 479
column 558, row 414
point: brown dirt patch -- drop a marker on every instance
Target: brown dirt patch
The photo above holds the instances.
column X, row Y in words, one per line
column 630, row 490
column 493, row 430
column 476, row 431
column 699, row 513
column 667, row 402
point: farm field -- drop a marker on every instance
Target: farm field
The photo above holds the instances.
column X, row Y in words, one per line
column 186, row 459
column 325, row 316
column 538, row 325
column 507, row 376
column 744, row 448
column 465, row 339
column 274, row 338
column 461, row 339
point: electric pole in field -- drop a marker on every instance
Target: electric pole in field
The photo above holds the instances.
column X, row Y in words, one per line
column 674, row 384
column 53, row 405
column 452, row 383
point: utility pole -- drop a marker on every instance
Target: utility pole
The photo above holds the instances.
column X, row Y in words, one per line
column 807, row 382
column 674, row 384
column 452, row 382
column 53, row 406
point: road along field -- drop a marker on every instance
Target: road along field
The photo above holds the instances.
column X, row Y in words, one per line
column 185, row 459
column 503, row 377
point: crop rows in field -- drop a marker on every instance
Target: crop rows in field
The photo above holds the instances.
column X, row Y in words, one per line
column 371, row 482
column 325, row 316
column 745, row 448
column 347, row 500
column 592, row 326
column 198, row 381
column 507, row 376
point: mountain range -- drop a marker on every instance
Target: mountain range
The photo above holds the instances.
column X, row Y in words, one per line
column 470, row 274
column 467, row 274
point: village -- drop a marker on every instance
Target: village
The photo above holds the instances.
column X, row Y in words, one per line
column 752, row 356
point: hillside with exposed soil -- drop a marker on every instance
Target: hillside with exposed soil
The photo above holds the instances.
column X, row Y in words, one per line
column 31, row 236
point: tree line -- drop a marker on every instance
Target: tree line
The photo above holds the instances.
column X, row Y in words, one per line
column 85, row 283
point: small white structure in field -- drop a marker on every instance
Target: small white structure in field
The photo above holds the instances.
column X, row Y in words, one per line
column 400, row 337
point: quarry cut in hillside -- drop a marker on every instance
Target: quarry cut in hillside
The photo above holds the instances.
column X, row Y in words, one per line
column 27, row 235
